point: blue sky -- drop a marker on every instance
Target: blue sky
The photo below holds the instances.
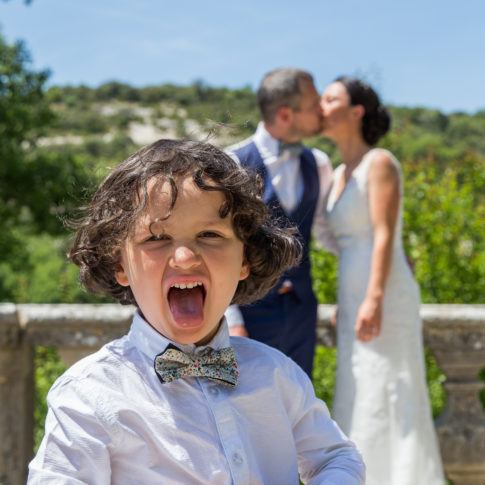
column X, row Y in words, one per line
column 427, row 53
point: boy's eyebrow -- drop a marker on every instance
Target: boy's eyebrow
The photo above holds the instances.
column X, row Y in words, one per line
column 215, row 221
column 163, row 225
column 220, row 222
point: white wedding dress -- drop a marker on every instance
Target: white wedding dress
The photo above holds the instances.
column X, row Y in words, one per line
column 381, row 398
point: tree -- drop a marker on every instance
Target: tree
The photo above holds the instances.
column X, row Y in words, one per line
column 23, row 114
column 35, row 188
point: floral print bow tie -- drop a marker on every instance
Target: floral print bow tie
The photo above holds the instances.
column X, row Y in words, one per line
column 217, row 365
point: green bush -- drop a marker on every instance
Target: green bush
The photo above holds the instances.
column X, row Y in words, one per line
column 435, row 379
column 324, row 367
column 324, row 274
column 444, row 231
column 48, row 367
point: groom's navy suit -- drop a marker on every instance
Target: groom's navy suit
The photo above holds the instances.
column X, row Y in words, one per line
column 287, row 320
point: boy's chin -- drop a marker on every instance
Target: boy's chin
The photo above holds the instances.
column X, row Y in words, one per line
column 188, row 332
column 210, row 335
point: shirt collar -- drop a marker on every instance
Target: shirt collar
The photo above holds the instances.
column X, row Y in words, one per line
column 151, row 343
column 267, row 145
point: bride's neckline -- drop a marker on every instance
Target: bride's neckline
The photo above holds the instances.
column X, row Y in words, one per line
column 344, row 180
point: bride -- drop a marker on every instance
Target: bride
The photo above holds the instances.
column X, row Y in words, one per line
column 381, row 398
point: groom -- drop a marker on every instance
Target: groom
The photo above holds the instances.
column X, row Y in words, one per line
column 297, row 180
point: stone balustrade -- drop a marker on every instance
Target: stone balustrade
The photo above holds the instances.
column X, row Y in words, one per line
column 455, row 334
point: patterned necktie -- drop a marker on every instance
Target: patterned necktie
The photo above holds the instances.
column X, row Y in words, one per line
column 294, row 149
column 217, row 365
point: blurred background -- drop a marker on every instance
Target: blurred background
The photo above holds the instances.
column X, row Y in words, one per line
column 84, row 84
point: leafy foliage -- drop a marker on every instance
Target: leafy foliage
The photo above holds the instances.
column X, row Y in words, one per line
column 324, row 367
column 444, row 214
column 48, row 367
column 435, row 378
column 324, row 274
column 23, row 116
column 36, row 188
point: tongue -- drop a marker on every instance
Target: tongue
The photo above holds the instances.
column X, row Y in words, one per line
column 187, row 306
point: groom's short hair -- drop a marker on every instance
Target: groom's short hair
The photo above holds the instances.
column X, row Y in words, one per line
column 281, row 87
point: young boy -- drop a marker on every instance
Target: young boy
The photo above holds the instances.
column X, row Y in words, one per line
column 180, row 230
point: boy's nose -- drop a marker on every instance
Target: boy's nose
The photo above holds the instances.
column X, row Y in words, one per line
column 184, row 257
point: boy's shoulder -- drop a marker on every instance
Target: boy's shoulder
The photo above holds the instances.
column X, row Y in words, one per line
column 104, row 365
column 249, row 345
column 253, row 353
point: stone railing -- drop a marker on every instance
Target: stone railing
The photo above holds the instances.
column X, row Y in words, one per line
column 455, row 334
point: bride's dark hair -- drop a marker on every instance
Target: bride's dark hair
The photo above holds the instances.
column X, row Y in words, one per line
column 376, row 120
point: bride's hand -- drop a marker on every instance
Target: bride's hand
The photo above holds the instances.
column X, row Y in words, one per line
column 369, row 320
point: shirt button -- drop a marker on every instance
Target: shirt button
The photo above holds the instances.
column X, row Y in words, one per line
column 214, row 391
column 237, row 459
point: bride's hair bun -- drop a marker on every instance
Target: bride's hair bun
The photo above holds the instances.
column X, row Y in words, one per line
column 376, row 124
column 376, row 120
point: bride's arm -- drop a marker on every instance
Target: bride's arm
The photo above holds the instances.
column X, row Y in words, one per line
column 383, row 183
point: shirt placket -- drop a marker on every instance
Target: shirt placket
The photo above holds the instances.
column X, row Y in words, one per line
column 216, row 395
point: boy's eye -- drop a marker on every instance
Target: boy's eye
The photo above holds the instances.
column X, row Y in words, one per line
column 209, row 234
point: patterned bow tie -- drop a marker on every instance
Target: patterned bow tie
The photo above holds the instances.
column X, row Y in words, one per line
column 217, row 365
column 294, row 149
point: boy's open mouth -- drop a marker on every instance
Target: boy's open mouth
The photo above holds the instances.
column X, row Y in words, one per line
column 186, row 302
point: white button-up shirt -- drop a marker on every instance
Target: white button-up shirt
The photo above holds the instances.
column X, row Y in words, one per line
column 111, row 421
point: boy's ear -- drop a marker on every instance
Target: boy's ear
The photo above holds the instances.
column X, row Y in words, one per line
column 245, row 270
column 121, row 276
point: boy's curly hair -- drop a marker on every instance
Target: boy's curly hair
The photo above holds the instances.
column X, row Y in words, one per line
column 109, row 219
